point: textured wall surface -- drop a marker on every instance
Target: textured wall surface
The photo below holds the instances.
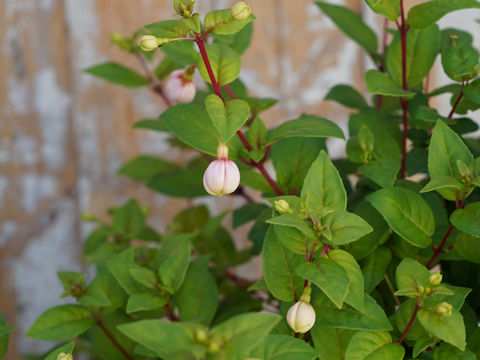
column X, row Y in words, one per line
column 63, row 134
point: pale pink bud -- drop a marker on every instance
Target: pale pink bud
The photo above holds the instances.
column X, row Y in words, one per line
column 301, row 317
column 180, row 87
column 222, row 176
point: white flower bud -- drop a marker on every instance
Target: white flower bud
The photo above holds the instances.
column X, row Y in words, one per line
column 301, row 317
column 63, row 356
column 282, row 207
column 436, row 278
column 444, row 309
column 241, row 11
column 180, row 87
column 222, row 176
column 148, row 43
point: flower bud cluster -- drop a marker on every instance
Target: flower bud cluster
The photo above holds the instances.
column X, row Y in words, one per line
column 222, row 176
column 180, row 87
column 184, row 7
column 301, row 315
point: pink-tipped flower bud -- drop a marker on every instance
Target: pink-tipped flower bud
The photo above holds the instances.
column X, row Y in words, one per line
column 222, row 176
column 180, row 87
column 301, row 316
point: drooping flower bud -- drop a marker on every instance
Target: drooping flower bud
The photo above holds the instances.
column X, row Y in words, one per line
column 180, row 87
column 282, row 207
column 301, row 315
column 222, row 176
column 435, row 278
column 63, row 356
column 241, row 11
column 444, row 309
column 148, row 43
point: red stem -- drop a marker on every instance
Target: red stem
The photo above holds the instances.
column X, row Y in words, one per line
column 403, row 37
column 439, row 249
column 410, row 323
column 113, row 340
column 460, row 96
column 216, row 88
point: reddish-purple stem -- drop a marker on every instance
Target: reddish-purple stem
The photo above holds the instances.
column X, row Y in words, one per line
column 410, row 323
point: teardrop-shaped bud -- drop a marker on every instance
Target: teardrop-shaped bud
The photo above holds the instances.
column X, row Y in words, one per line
column 180, row 87
column 301, row 317
column 241, row 11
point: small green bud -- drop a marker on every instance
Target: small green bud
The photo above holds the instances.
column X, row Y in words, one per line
column 184, row 7
column 63, row 356
column 464, row 171
column 444, row 309
column 241, row 11
column 436, row 278
column 149, row 43
column 428, row 291
column 282, row 207
column 213, row 347
column 201, row 336
column 421, row 290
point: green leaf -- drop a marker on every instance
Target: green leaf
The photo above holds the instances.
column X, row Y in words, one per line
column 468, row 247
column 375, row 267
column 460, row 59
column 426, row 14
column 329, row 276
column 373, row 319
column 373, row 346
column 246, row 213
column 448, row 352
column 305, row 126
column 323, row 187
column 388, row 8
column 422, row 49
column 227, row 118
column 168, row 29
column 447, row 328
column 407, row 213
column 129, row 219
column 468, row 219
column 351, row 24
column 118, row 74
column 119, row 268
column 225, row 63
column 192, row 125
column 144, row 276
column 66, row 348
column 182, row 183
column 380, row 84
column 292, row 239
column 182, row 52
column 472, row 91
column 446, row 147
column 144, row 302
column 94, row 296
column 345, row 227
column 221, row 22
column 347, row 96
column 330, row 343
column 292, row 159
column 197, row 299
column 410, row 275
column 239, row 41
column 242, row 333
column 172, row 271
column 5, row 330
column 165, row 339
column 144, row 167
column 355, row 295
column 279, row 268
column 283, row 347
column 61, row 323
column 296, row 222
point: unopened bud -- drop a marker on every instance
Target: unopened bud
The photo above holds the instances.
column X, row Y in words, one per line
column 213, row 347
column 301, row 317
column 421, row 290
column 428, row 291
column 184, row 7
column 282, row 207
column 180, row 87
column 444, row 309
column 201, row 336
column 436, row 278
column 222, row 176
column 464, row 171
column 63, row 356
column 241, row 11
column 149, row 43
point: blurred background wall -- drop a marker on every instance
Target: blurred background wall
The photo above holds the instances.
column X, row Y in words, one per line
column 64, row 134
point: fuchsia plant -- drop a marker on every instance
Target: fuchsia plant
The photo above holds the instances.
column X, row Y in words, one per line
column 383, row 267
